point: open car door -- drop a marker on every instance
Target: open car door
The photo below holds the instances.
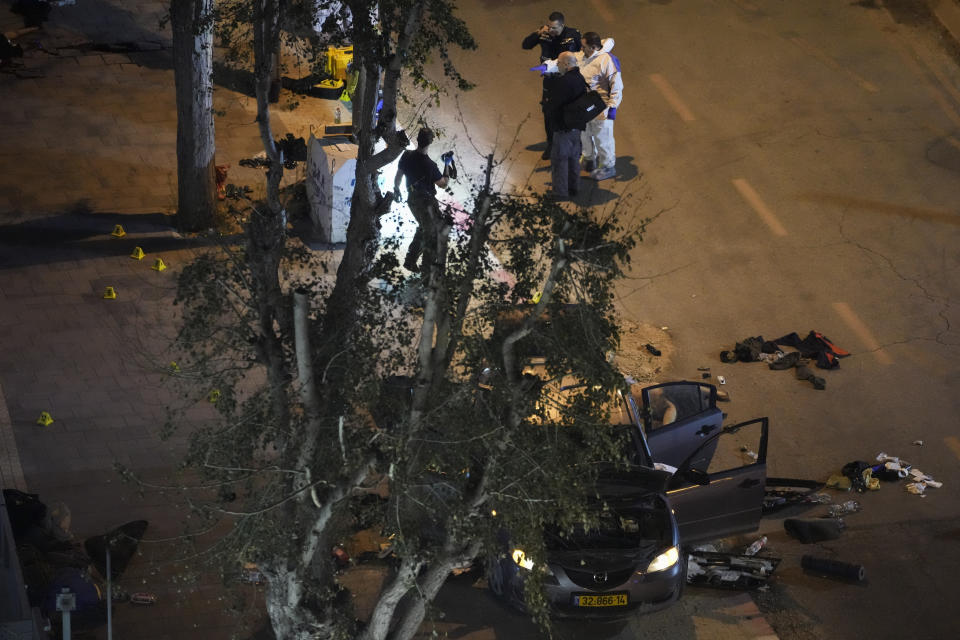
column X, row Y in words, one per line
column 728, row 498
column 678, row 418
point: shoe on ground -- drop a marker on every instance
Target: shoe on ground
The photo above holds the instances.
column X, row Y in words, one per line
column 603, row 173
column 589, row 166
column 546, row 154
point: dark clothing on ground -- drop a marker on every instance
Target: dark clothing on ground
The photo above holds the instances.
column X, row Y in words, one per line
column 565, row 163
column 552, row 46
column 561, row 90
column 420, row 172
column 815, row 345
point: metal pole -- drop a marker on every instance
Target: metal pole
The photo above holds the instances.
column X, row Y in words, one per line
column 66, row 625
column 109, row 596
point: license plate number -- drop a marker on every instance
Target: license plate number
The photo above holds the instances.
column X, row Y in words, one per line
column 605, row 600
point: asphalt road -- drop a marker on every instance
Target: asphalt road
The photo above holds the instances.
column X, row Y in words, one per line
column 803, row 158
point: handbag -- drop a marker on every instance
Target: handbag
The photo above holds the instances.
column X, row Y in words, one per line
column 578, row 113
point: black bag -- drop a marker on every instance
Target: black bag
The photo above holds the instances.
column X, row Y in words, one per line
column 578, row 113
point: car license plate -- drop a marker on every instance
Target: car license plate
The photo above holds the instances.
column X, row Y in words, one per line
column 605, row 600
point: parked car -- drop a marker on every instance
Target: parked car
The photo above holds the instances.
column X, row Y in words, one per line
column 693, row 480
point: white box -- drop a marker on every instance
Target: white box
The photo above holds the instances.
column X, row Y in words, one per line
column 330, row 177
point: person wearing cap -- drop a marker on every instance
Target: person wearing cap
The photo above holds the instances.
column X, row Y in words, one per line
column 554, row 38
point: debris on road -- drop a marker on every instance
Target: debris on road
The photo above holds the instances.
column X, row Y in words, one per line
column 834, row 568
column 780, row 493
column 815, row 347
column 728, row 570
column 842, row 509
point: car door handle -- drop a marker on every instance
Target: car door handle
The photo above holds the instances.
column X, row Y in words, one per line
column 706, row 429
column 749, row 482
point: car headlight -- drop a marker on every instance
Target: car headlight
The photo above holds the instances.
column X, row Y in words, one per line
column 520, row 558
column 664, row 561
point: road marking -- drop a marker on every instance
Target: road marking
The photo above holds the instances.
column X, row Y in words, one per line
column 866, row 85
column 754, row 200
column 866, row 336
column 672, row 97
column 953, row 442
column 603, row 10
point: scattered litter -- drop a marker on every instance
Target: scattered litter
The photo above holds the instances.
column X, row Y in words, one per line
column 664, row 328
column 723, row 396
column 251, row 574
column 703, row 368
column 919, row 443
column 834, row 568
column 750, row 454
column 721, row 380
column 652, row 349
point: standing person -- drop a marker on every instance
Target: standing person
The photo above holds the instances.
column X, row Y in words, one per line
column 601, row 70
column 563, row 89
column 423, row 177
column 554, row 38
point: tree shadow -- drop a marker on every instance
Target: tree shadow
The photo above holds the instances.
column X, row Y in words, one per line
column 80, row 234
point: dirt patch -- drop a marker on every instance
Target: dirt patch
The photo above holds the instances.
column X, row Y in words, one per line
column 634, row 359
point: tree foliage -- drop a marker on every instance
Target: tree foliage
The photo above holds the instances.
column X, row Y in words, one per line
column 408, row 397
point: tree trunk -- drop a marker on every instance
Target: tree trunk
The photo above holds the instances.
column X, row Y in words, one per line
column 193, row 77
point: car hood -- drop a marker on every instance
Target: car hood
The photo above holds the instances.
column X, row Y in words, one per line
column 601, row 560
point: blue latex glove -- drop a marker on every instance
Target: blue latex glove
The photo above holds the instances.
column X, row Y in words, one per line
column 541, row 68
column 612, row 113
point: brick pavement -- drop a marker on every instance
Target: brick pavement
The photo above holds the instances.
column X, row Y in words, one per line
column 89, row 135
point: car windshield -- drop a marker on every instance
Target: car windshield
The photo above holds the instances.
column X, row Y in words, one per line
column 624, row 528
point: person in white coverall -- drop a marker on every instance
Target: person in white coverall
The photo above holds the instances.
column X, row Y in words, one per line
column 601, row 70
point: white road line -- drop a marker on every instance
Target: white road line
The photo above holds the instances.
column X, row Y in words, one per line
column 754, row 200
column 672, row 97
column 953, row 443
column 866, row 336
column 603, row 10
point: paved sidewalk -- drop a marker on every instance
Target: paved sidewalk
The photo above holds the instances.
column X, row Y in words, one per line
column 89, row 129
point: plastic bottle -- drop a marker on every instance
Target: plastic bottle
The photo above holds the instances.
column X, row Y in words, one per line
column 850, row 506
column 756, row 546
column 336, row 116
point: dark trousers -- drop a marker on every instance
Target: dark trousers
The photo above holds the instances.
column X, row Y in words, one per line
column 565, row 162
column 424, row 209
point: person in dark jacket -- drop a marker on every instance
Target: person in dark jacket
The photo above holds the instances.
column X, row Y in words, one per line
column 423, row 177
column 554, row 38
column 562, row 89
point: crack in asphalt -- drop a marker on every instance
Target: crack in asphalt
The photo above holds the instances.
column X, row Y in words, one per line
column 943, row 301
